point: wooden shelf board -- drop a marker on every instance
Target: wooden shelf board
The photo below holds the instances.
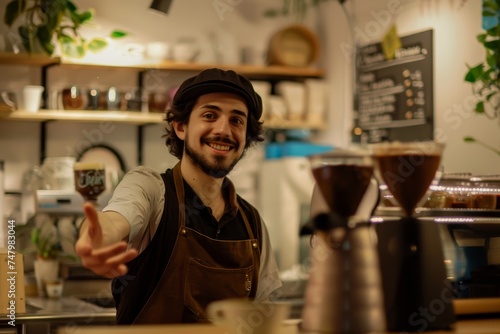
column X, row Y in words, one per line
column 251, row 71
column 280, row 71
column 137, row 66
column 280, row 124
column 26, row 59
column 247, row 70
column 84, row 116
column 126, row 117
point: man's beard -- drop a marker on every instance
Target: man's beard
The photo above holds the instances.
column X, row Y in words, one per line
column 217, row 169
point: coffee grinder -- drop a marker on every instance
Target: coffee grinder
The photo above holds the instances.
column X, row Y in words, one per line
column 417, row 294
column 344, row 289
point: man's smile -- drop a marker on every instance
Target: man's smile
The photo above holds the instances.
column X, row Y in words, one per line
column 220, row 143
column 220, row 147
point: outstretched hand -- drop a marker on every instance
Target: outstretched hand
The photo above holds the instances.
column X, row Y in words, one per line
column 105, row 260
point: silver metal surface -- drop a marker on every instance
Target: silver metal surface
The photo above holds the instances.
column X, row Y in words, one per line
column 39, row 309
column 344, row 291
column 64, row 202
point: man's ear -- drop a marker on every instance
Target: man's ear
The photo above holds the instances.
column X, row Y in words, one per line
column 180, row 130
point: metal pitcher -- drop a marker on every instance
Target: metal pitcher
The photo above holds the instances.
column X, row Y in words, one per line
column 344, row 290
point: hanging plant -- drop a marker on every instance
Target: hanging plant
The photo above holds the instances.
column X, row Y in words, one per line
column 485, row 77
column 47, row 22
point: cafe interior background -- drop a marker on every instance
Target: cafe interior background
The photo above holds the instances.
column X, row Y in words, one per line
column 244, row 33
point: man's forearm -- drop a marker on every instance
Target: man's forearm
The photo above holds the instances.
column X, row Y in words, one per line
column 114, row 227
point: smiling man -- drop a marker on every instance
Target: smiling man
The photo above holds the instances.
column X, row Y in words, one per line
column 176, row 241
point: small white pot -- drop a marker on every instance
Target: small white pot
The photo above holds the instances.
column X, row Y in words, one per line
column 46, row 271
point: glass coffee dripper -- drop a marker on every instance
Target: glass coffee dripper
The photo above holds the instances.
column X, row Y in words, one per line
column 408, row 169
column 409, row 247
column 342, row 178
column 90, row 180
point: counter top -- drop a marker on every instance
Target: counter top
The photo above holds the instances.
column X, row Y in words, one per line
column 480, row 326
column 67, row 308
column 75, row 309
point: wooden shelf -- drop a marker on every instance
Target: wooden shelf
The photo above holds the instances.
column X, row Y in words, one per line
column 270, row 73
column 127, row 117
column 26, row 59
column 84, row 116
column 281, row 124
column 251, row 71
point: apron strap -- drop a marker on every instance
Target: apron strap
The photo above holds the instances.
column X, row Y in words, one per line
column 247, row 224
column 256, row 245
column 179, row 189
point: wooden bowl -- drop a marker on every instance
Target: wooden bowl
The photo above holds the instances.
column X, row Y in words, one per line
column 295, row 45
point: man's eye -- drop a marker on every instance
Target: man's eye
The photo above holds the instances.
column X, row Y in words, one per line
column 209, row 116
column 238, row 120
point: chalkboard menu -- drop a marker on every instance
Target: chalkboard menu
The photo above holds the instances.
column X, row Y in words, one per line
column 394, row 97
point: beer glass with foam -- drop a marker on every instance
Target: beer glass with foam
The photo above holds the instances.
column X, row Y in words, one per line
column 90, row 180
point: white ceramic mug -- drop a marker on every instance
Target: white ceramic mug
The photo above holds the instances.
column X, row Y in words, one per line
column 54, row 289
column 32, row 95
column 157, row 50
column 185, row 51
column 244, row 316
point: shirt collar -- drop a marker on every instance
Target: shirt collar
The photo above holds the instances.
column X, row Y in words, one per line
column 228, row 190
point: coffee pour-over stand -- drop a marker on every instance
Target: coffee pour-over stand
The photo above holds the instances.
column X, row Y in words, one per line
column 416, row 292
column 344, row 292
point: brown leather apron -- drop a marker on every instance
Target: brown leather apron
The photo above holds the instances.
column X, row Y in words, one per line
column 201, row 270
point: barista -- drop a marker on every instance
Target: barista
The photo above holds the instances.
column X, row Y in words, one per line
column 176, row 241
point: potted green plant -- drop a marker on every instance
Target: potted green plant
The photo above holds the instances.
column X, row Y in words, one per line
column 47, row 246
column 485, row 77
column 46, row 242
column 47, row 23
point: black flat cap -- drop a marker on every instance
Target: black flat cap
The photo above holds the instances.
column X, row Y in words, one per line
column 215, row 80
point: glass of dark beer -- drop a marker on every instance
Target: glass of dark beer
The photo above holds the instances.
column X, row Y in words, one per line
column 90, row 180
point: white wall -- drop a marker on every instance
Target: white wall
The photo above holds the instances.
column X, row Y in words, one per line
column 455, row 45
column 455, row 29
